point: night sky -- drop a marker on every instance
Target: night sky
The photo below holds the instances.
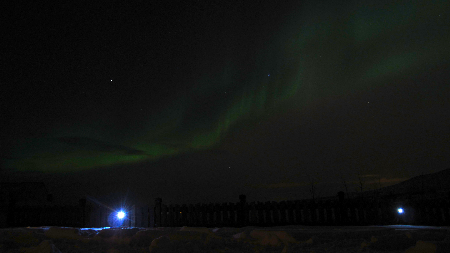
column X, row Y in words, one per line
column 200, row 101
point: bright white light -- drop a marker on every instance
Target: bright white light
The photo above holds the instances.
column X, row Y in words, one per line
column 120, row 215
column 400, row 210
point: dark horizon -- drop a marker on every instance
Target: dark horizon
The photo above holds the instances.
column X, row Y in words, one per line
column 201, row 102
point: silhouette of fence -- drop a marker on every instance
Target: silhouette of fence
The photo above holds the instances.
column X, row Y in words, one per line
column 306, row 212
column 333, row 212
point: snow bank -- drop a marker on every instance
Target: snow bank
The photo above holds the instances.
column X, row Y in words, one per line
column 423, row 247
column 406, row 239
column 63, row 233
column 45, row 246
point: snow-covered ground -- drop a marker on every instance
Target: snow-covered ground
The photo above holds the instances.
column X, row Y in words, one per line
column 409, row 239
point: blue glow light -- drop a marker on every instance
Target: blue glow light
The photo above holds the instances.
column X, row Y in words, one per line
column 400, row 210
column 120, row 215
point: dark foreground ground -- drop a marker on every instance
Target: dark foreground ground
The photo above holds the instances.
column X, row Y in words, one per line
column 409, row 239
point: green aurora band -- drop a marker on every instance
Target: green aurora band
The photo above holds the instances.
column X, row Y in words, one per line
column 316, row 54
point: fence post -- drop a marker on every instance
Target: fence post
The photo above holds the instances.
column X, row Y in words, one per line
column 343, row 209
column 362, row 213
column 252, row 214
column 170, row 216
column 320, row 212
column 198, row 215
column 385, row 212
column 241, row 210
column 369, row 217
column 177, row 215
column 183, row 211
column 275, row 212
column 164, row 216
column 217, row 217
column 142, row 220
column 132, row 216
column 282, row 208
column 224, row 210
column 351, row 213
column 297, row 212
column 379, row 212
column 311, row 211
column 290, row 213
column 205, row 214
column 209, row 214
column 266, row 213
column 191, row 215
column 258, row 213
column 233, row 213
column 158, row 210
column 203, row 209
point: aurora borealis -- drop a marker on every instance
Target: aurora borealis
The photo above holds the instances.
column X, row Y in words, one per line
column 222, row 98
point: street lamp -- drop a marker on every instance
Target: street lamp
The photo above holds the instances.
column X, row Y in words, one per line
column 121, row 215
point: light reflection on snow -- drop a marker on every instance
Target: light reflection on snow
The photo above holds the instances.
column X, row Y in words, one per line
column 96, row 229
